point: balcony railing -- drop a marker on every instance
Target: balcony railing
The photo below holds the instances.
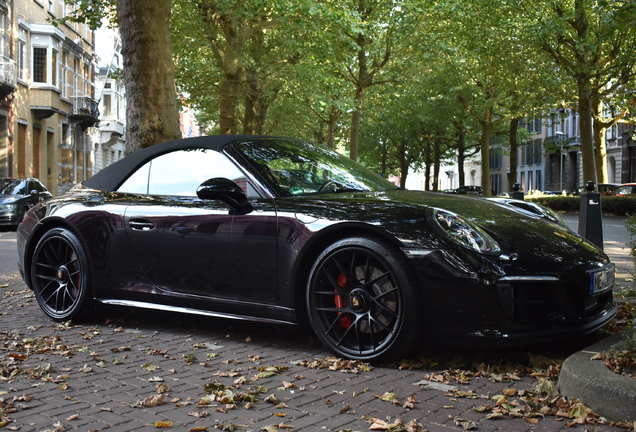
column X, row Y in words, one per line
column 7, row 75
column 112, row 126
column 85, row 110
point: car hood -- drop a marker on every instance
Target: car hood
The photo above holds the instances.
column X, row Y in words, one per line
column 9, row 199
column 535, row 241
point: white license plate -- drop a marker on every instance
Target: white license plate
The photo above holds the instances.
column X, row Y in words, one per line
column 601, row 280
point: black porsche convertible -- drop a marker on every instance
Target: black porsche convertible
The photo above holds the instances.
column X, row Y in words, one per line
column 280, row 231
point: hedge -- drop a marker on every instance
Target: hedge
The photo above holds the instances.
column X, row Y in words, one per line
column 616, row 205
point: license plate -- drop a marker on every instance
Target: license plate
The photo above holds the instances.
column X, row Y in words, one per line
column 601, row 280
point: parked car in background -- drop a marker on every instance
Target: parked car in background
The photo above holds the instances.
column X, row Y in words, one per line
column 469, row 190
column 17, row 196
column 608, row 188
column 626, row 189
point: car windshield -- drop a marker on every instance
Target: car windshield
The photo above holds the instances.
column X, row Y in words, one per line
column 10, row 187
column 624, row 190
column 298, row 168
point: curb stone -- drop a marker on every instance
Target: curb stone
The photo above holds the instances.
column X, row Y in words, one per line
column 611, row 395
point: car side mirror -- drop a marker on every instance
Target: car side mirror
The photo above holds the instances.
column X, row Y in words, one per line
column 225, row 190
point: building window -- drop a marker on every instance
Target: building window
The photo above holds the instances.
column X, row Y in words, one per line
column 107, row 85
column 496, row 156
column 4, row 43
column 538, row 181
column 63, row 73
column 107, row 105
column 21, row 54
column 39, row 65
column 54, row 67
column 537, row 151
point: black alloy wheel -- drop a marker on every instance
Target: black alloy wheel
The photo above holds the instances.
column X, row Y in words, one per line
column 59, row 274
column 360, row 300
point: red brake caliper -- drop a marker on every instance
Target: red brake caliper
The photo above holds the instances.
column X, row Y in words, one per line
column 344, row 320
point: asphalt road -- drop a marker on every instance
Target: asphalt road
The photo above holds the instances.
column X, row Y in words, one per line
column 8, row 252
column 615, row 235
column 616, row 240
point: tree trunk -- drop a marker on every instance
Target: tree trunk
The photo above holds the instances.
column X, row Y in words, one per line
column 334, row 115
column 600, row 151
column 484, row 143
column 436, row 164
column 404, row 165
column 152, row 114
column 585, row 122
column 251, row 99
column 600, row 127
column 229, row 93
column 427, row 163
column 356, row 116
column 461, row 155
column 514, row 145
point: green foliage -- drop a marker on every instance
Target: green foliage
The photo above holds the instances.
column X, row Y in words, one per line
column 615, row 205
column 91, row 12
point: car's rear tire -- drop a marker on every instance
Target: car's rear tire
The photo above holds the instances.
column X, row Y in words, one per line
column 59, row 274
column 361, row 301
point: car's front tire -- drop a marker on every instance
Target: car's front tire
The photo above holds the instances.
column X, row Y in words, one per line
column 59, row 274
column 361, row 300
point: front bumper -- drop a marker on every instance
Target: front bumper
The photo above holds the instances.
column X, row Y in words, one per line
column 463, row 306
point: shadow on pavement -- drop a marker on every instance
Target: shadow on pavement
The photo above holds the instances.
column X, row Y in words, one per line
column 299, row 340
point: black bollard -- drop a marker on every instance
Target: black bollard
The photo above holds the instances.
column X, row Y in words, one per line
column 591, row 215
column 516, row 192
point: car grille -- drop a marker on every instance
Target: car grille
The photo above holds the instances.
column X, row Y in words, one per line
column 549, row 302
column 6, row 220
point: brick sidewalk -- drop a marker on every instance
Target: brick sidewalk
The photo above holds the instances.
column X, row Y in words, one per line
column 99, row 375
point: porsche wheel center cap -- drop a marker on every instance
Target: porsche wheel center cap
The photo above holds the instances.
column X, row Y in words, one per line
column 61, row 273
column 359, row 300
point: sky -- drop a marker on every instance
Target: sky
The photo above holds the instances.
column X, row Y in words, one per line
column 104, row 45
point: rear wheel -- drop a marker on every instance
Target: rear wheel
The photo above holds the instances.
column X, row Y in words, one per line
column 59, row 274
column 361, row 302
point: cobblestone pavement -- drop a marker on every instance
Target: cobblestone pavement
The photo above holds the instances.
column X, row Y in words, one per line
column 135, row 370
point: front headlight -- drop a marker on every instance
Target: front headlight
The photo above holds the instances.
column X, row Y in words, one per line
column 464, row 233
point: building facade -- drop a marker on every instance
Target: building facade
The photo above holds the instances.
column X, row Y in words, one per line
column 53, row 107
column 548, row 157
column 109, row 135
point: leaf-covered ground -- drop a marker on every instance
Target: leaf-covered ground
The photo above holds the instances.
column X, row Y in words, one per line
column 137, row 370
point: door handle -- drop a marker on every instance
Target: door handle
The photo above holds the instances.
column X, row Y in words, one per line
column 139, row 225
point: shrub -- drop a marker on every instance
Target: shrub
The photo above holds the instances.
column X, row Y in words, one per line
column 615, row 205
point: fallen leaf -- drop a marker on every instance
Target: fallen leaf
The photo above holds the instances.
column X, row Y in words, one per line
column 272, row 399
column 150, row 401
column 163, row 424
column 72, row 417
column 389, row 397
column 465, row 424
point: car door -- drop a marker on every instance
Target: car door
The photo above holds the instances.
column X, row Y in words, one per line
column 186, row 247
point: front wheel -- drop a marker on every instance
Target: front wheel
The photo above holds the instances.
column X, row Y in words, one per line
column 59, row 274
column 361, row 301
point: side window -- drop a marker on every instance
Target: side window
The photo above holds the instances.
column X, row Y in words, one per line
column 37, row 186
column 137, row 183
column 22, row 189
column 180, row 173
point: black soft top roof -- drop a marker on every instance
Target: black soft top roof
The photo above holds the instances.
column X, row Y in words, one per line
column 109, row 178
